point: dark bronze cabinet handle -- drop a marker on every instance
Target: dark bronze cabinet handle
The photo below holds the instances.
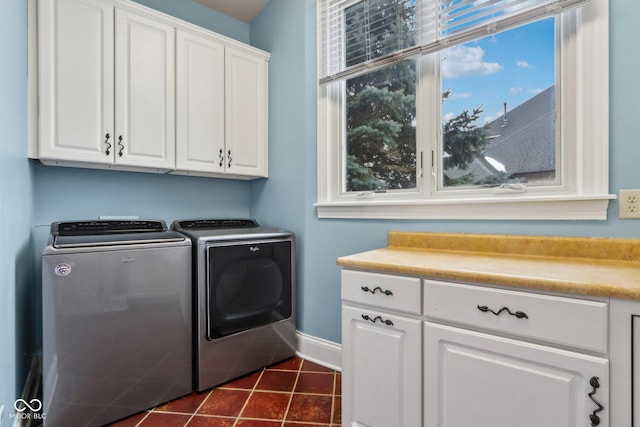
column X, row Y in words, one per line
column 106, row 141
column 376, row 319
column 229, row 158
column 595, row 419
column 221, row 156
column 518, row 314
column 376, row 289
column 121, row 145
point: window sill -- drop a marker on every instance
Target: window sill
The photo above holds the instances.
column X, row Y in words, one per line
column 522, row 208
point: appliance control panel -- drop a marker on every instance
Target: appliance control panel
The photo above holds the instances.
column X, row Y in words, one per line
column 80, row 228
column 209, row 224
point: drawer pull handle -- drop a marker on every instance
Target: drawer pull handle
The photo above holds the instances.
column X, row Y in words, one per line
column 518, row 314
column 376, row 289
column 375, row 319
column 595, row 420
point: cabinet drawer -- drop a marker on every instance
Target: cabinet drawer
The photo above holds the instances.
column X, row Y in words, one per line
column 382, row 290
column 565, row 321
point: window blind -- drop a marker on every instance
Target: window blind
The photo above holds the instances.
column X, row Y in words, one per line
column 358, row 36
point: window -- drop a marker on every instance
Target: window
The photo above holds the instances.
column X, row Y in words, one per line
column 380, row 130
column 502, row 113
column 499, row 110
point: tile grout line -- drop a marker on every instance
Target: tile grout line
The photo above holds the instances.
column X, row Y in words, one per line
column 253, row 389
column 198, row 408
column 333, row 400
column 143, row 418
column 295, row 384
column 236, row 420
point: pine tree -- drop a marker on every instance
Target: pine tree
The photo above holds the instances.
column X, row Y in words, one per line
column 381, row 137
column 381, row 105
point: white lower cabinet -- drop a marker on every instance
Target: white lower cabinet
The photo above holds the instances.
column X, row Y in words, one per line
column 471, row 355
column 381, row 369
column 381, row 348
column 635, row 369
column 624, row 359
column 482, row 380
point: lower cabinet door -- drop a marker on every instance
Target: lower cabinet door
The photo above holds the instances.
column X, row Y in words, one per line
column 481, row 380
column 382, row 369
column 635, row 369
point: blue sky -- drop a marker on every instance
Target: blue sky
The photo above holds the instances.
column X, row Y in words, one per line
column 512, row 66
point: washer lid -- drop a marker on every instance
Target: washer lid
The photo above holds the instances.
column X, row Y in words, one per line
column 91, row 228
column 111, row 232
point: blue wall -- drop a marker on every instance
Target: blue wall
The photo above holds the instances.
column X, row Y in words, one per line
column 16, row 194
column 291, row 23
column 34, row 195
column 281, row 200
column 203, row 16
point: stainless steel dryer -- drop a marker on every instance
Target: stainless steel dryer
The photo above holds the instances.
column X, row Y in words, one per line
column 116, row 320
column 244, row 282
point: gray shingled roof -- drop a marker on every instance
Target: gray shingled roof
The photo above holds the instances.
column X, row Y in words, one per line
column 525, row 145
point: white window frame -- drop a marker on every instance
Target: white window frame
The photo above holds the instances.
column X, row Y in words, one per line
column 583, row 94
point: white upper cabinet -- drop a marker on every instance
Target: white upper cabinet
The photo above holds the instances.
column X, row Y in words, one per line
column 76, row 66
column 122, row 86
column 246, row 106
column 88, row 112
column 145, row 92
column 222, row 110
column 200, row 103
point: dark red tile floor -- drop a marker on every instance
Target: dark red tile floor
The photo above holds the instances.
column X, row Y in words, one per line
column 293, row 393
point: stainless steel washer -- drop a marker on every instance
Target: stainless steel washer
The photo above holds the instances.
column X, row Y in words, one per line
column 244, row 293
column 116, row 320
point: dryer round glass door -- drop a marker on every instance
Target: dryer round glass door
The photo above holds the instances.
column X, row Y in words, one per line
column 249, row 285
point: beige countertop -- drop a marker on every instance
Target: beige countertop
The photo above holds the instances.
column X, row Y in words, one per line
column 591, row 266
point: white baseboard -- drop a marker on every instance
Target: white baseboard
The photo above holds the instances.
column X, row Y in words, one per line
column 320, row 351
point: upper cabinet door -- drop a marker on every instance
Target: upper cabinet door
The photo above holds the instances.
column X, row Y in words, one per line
column 199, row 103
column 145, row 91
column 75, row 80
column 246, row 77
